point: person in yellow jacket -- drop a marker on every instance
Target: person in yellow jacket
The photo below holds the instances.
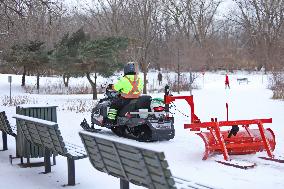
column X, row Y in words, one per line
column 129, row 87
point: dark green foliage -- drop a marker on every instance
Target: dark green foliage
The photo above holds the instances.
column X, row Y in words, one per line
column 76, row 54
column 31, row 55
column 66, row 54
column 102, row 55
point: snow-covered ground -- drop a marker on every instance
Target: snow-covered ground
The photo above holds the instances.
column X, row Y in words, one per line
column 184, row 153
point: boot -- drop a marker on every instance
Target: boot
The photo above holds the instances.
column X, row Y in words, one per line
column 111, row 118
column 108, row 123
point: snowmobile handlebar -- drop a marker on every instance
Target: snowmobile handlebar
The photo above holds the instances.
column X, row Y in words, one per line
column 110, row 93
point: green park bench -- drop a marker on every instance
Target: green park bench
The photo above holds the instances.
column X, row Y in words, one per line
column 242, row 80
column 23, row 148
column 132, row 164
column 47, row 135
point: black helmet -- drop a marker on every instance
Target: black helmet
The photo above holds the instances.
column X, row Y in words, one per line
column 131, row 68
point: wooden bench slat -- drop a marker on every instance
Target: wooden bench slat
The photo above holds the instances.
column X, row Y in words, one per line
column 127, row 161
column 124, row 154
column 127, row 149
column 5, row 125
column 156, row 177
column 76, row 153
column 45, row 135
column 131, row 149
column 33, row 130
column 112, row 169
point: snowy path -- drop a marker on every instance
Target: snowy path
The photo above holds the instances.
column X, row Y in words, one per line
column 184, row 153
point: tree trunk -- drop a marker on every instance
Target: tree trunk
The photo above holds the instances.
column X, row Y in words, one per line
column 24, row 77
column 145, row 82
column 95, row 92
column 93, row 84
column 66, row 80
column 37, row 81
column 178, row 87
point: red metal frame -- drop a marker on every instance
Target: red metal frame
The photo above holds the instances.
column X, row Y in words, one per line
column 223, row 144
column 189, row 100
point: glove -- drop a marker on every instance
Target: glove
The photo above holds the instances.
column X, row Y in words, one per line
column 110, row 86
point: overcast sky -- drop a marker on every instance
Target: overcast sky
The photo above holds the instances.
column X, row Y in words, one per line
column 224, row 8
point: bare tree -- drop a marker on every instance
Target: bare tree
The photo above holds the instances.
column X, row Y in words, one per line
column 106, row 17
column 262, row 22
column 27, row 21
column 145, row 25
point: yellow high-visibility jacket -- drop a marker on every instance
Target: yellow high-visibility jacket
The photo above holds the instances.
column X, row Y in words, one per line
column 129, row 86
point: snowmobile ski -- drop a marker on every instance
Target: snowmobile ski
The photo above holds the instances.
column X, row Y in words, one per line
column 84, row 124
column 237, row 164
column 278, row 160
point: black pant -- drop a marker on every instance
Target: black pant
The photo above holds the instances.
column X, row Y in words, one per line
column 119, row 103
column 116, row 105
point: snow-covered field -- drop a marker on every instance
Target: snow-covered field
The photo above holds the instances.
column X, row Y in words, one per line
column 184, row 153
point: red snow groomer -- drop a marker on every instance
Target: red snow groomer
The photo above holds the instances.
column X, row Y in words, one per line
column 235, row 141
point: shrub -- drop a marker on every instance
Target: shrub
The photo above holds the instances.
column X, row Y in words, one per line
column 17, row 100
column 185, row 84
column 276, row 84
column 79, row 105
column 51, row 87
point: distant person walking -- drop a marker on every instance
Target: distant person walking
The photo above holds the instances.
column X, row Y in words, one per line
column 227, row 83
column 160, row 78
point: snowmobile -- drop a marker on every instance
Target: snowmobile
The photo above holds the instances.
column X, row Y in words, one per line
column 143, row 119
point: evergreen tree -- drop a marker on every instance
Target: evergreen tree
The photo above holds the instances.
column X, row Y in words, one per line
column 32, row 56
column 77, row 55
column 66, row 55
column 101, row 56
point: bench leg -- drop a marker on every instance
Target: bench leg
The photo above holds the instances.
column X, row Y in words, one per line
column 47, row 165
column 124, row 184
column 4, row 137
column 71, row 171
column 28, row 162
column 54, row 159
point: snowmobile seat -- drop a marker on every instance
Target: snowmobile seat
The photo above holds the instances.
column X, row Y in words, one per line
column 143, row 102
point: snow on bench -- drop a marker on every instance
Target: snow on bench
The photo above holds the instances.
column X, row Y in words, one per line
column 47, row 134
column 36, row 106
column 132, row 164
column 6, row 128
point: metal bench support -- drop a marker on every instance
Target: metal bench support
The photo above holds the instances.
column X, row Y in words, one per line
column 4, row 137
column 54, row 159
column 47, row 165
column 71, row 171
column 124, row 184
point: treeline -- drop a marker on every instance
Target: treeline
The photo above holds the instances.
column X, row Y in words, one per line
column 173, row 34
